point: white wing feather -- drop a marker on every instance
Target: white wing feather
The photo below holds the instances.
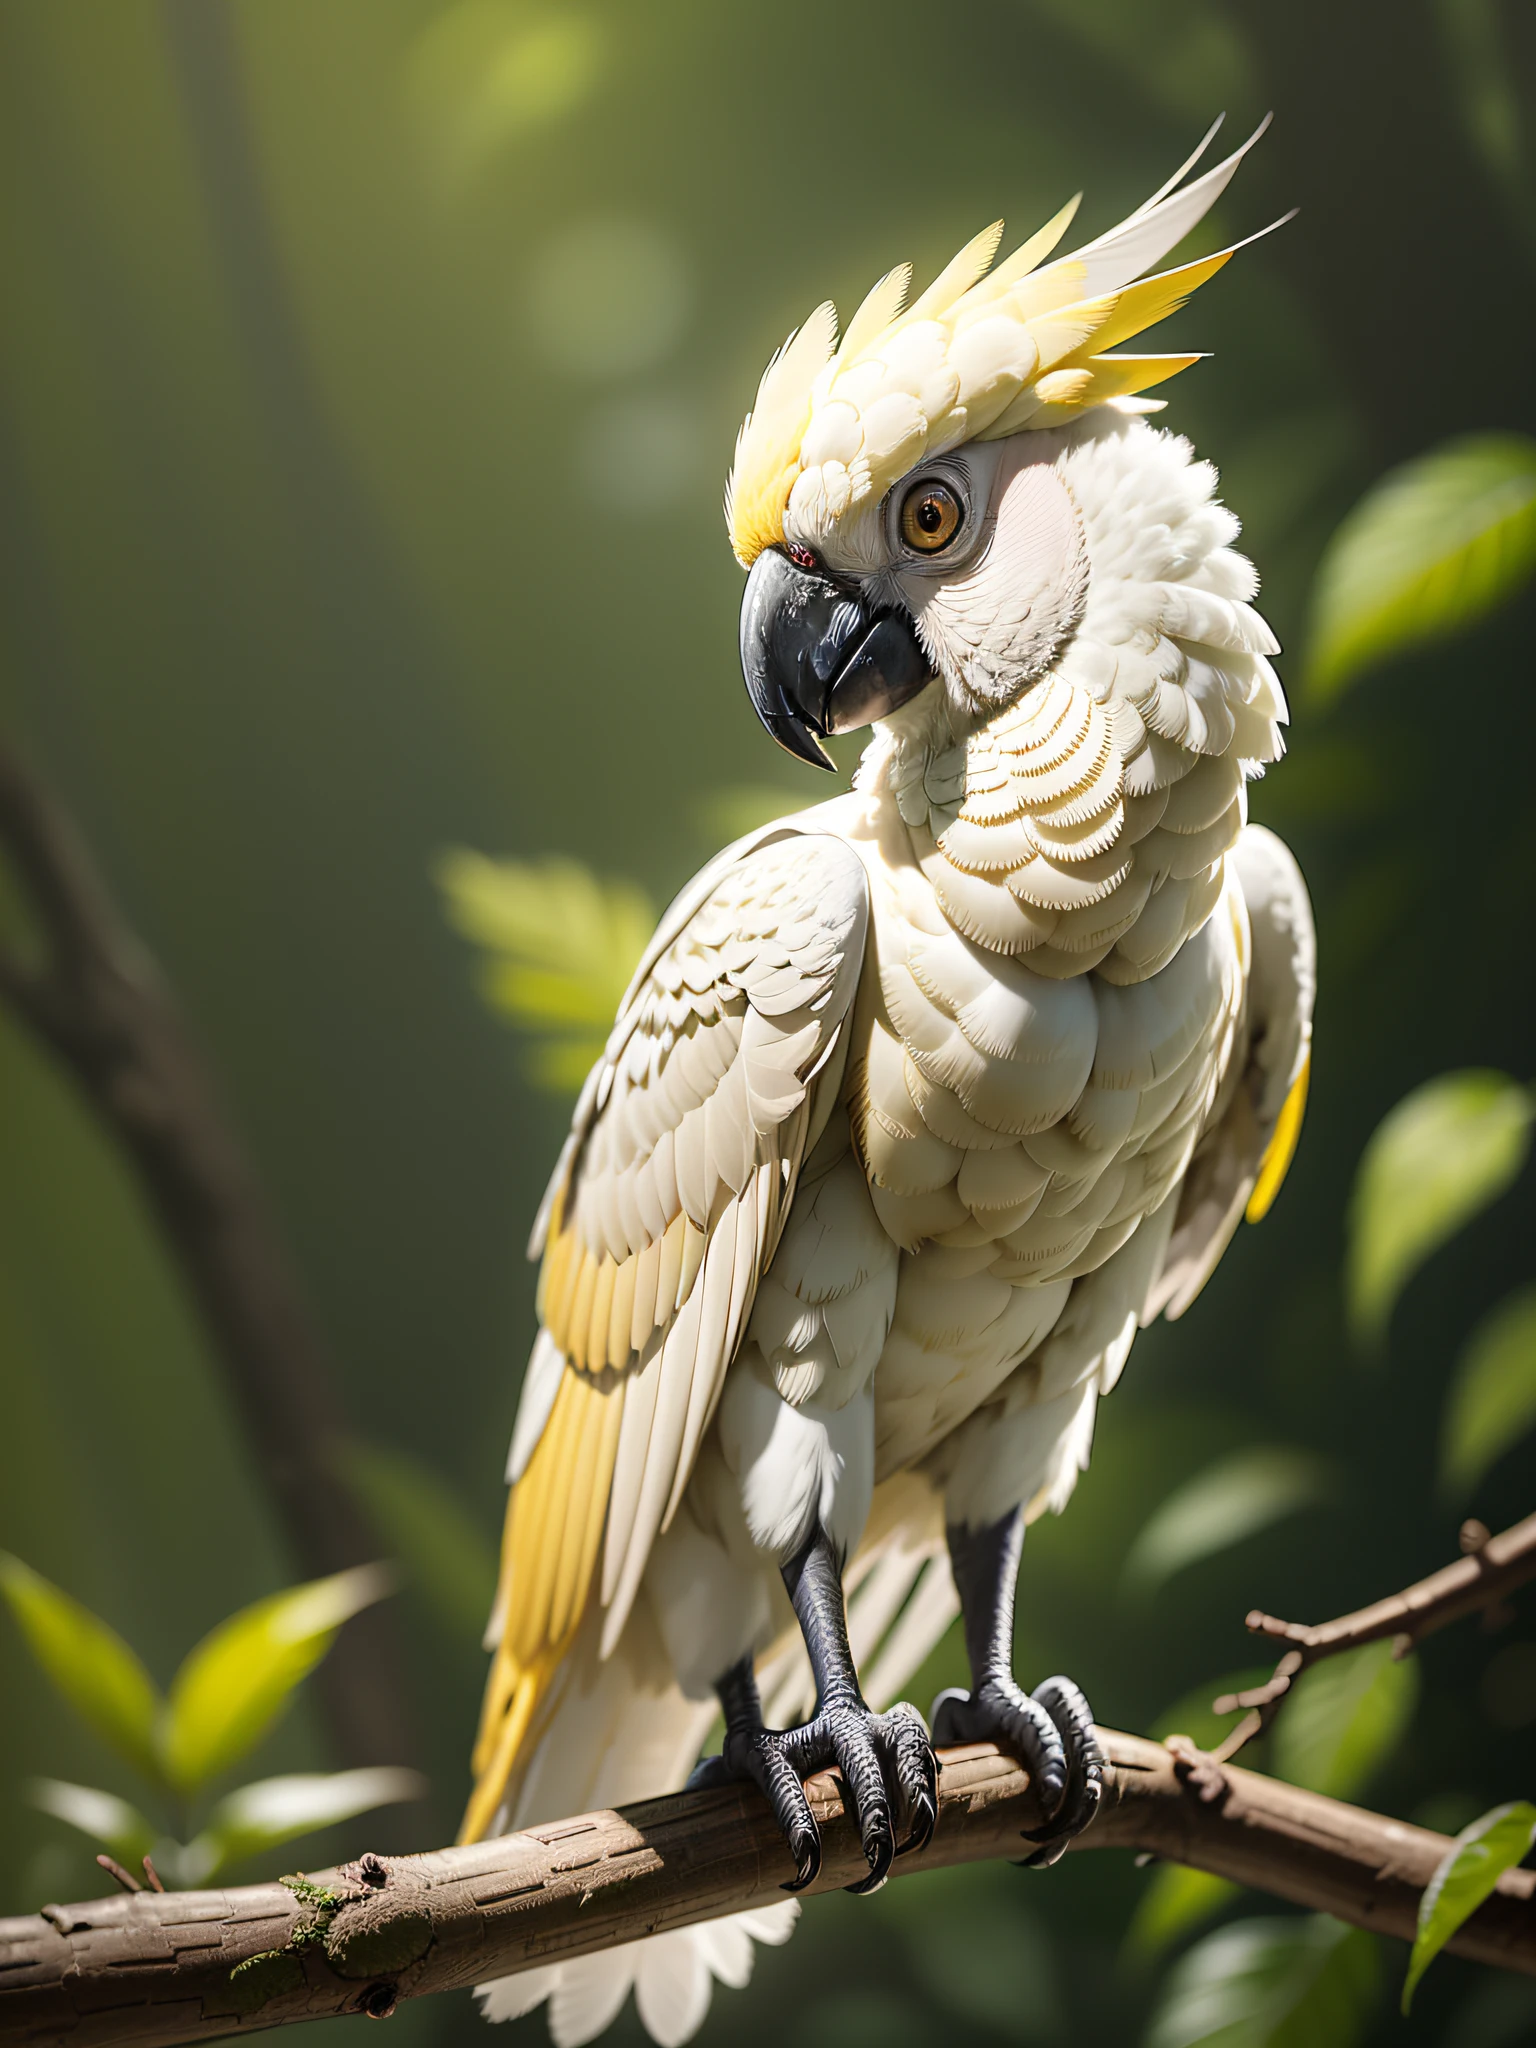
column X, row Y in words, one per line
column 683, row 1158
column 1282, row 985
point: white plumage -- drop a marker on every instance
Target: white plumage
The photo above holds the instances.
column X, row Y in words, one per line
column 920, row 1103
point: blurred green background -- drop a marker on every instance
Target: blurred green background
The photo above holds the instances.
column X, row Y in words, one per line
column 368, row 375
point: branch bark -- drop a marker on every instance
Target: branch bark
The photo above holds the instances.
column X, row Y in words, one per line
column 1491, row 1568
column 99, row 1004
column 154, row 1969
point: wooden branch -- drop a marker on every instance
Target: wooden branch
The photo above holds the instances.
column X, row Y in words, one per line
column 159, row 1968
column 1490, row 1568
column 99, row 1004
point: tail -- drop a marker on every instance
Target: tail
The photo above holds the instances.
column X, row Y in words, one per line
column 607, row 1731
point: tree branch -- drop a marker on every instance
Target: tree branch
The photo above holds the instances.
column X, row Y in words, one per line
column 1491, row 1568
column 99, row 1004
column 151, row 1969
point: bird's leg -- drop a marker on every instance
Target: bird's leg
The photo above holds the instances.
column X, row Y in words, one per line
column 886, row 1760
column 1052, row 1728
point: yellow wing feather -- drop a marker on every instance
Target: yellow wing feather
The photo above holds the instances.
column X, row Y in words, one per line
column 549, row 1555
column 1281, row 1149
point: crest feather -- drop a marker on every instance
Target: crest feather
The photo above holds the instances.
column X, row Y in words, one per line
column 768, row 446
column 882, row 305
column 979, row 354
column 1029, row 254
column 959, row 274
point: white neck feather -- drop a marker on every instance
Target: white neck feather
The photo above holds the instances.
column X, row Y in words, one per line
column 1085, row 824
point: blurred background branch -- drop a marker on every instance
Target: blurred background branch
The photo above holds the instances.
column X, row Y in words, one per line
column 100, row 1005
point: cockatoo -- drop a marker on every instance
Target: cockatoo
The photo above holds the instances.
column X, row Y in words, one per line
column 920, row 1101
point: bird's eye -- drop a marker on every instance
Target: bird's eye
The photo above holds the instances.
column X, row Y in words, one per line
column 931, row 516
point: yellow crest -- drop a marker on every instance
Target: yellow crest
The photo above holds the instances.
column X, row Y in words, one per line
column 982, row 353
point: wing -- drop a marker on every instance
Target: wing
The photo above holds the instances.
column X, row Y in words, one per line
column 1242, row 1159
column 665, row 1209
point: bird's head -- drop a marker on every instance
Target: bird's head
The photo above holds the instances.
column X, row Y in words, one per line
column 898, row 497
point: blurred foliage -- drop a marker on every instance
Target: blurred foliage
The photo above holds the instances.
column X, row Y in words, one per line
column 1465, row 1877
column 1343, row 1720
column 730, row 813
column 1428, row 550
column 1195, row 1715
column 561, row 943
column 1270, row 1984
column 561, row 946
column 445, row 1555
column 222, row 1701
column 1492, row 1401
column 1176, row 1902
column 1235, row 1498
column 325, row 550
column 1440, row 1157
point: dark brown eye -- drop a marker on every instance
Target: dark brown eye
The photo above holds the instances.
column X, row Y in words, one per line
column 931, row 516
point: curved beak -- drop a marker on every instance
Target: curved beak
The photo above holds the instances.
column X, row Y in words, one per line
column 818, row 660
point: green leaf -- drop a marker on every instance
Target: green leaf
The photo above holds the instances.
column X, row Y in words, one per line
column 1429, row 550
column 1493, row 1394
column 87, row 1663
column 421, row 1521
column 238, row 1679
column 1270, row 1984
column 1446, row 1151
column 1232, row 1499
column 261, row 1816
column 561, row 945
column 1343, row 1718
column 1195, row 1716
column 111, row 1821
column 1176, row 1900
column 1464, row 1878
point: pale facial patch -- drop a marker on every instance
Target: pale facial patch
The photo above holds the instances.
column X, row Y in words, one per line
column 994, row 621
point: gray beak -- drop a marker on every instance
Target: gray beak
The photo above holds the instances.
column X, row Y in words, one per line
column 818, row 660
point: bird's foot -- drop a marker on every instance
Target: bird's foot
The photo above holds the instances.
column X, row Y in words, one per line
column 888, row 1768
column 1051, row 1732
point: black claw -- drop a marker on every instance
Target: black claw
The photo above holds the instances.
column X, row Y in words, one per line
column 879, row 1871
column 854, row 1735
column 805, row 1847
column 886, row 1761
column 1072, row 1716
column 924, row 1820
column 948, row 1717
column 917, row 1772
column 1052, row 1733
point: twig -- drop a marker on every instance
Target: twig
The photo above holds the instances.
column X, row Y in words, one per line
column 1490, row 1568
column 225, row 1961
column 98, row 1002
column 125, row 1878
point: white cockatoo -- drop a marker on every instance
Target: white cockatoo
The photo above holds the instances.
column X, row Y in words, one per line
column 920, row 1102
